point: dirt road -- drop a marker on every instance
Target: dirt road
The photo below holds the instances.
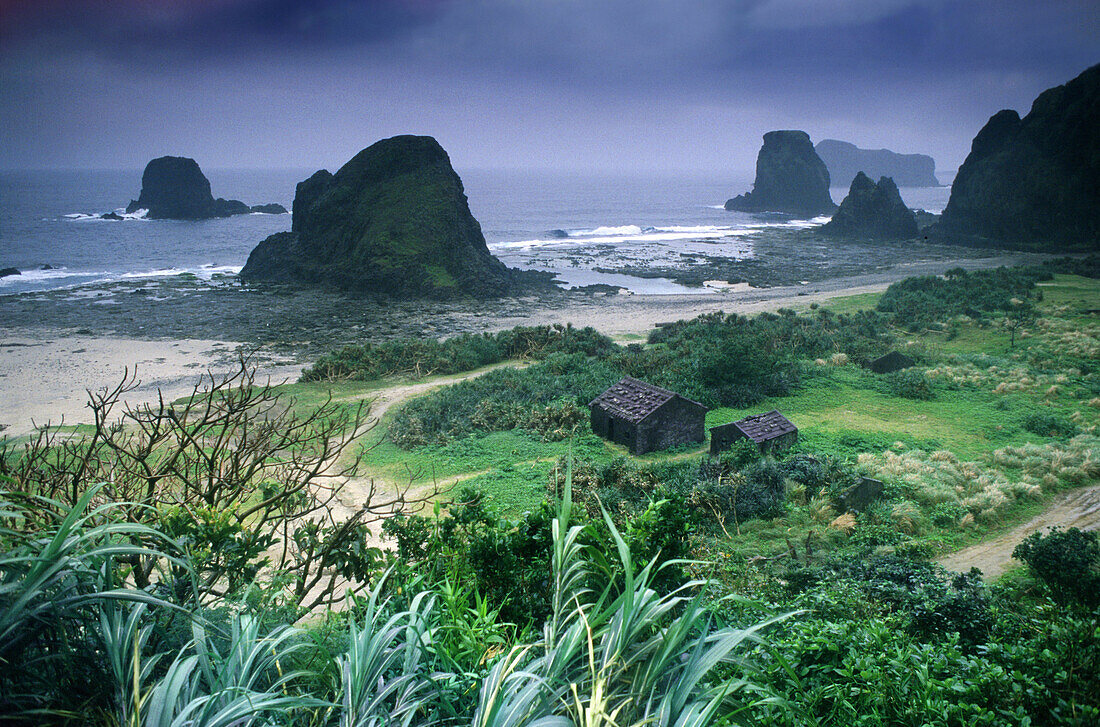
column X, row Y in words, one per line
column 1075, row 509
column 360, row 489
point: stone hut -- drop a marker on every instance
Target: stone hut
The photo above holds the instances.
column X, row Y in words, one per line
column 893, row 361
column 771, row 432
column 644, row 418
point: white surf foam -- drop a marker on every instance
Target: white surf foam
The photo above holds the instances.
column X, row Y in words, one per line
column 667, row 233
column 121, row 212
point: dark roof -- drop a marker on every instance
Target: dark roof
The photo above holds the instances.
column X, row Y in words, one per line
column 634, row 400
column 762, row 427
column 893, row 361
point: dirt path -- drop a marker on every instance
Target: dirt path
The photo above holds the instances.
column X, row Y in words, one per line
column 1077, row 509
column 385, row 399
column 358, row 489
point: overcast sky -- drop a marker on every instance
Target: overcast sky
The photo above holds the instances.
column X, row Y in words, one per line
column 585, row 84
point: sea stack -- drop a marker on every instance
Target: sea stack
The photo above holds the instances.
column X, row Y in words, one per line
column 394, row 221
column 873, row 211
column 174, row 188
column 790, row 178
column 845, row 160
column 1033, row 183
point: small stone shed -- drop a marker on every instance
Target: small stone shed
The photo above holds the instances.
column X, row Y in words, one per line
column 645, row 418
column 770, row 431
column 893, row 361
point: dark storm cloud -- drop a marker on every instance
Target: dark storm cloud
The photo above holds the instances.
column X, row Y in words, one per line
column 211, row 29
column 515, row 79
column 605, row 40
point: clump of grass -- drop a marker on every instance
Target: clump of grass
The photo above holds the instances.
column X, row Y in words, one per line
column 845, row 523
column 986, row 489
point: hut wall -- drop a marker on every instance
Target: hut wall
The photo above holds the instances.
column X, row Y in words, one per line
column 599, row 419
column 677, row 422
column 613, row 428
column 722, row 437
column 779, row 443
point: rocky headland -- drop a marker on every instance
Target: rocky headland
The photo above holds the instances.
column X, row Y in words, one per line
column 1033, row 183
column 872, row 211
column 845, row 160
column 392, row 221
column 790, row 178
column 174, row 188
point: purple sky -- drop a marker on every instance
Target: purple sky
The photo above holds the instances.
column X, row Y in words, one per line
column 571, row 84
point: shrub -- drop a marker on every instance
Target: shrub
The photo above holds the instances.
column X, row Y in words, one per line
column 918, row 302
column 548, row 397
column 910, row 384
column 1047, row 424
column 422, row 357
column 934, row 602
column 1067, row 561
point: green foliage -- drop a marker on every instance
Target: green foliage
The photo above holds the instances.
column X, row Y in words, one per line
column 1067, row 561
column 910, row 384
column 426, row 356
column 920, row 301
column 545, row 397
column 1049, row 424
column 735, row 360
column 935, row 603
column 503, row 560
column 57, row 564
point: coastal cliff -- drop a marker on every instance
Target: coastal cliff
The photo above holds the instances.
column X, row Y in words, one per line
column 845, row 161
column 394, row 221
column 1033, row 183
column 790, row 178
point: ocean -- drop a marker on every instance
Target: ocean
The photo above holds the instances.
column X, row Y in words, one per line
column 568, row 223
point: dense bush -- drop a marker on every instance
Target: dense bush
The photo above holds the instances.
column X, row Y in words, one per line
column 426, row 356
column 1048, row 424
column 919, row 301
column 1067, row 561
column 738, row 361
column 505, row 561
column 546, row 398
column 933, row 602
column 910, row 384
column 715, row 492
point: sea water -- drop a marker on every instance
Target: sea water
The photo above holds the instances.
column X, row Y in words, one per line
column 567, row 223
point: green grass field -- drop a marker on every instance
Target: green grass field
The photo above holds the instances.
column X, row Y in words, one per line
column 840, row 410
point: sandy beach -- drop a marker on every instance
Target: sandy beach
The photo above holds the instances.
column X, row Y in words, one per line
column 45, row 375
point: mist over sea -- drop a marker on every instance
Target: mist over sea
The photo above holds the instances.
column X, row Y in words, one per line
column 532, row 219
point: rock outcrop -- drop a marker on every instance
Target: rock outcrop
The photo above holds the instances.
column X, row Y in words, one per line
column 8, row 272
column 790, row 178
column 874, row 211
column 394, row 220
column 272, row 208
column 845, row 160
column 174, row 188
column 1033, row 183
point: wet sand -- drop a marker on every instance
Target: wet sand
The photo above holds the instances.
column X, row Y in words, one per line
column 45, row 375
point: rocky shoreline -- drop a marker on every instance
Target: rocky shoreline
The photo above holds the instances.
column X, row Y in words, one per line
column 302, row 322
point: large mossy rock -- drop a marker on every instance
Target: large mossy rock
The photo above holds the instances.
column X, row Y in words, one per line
column 790, row 178
column 845, row 161
column 1033, row 183
column 873, row 211
column 174, row 188
column 394, row 220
